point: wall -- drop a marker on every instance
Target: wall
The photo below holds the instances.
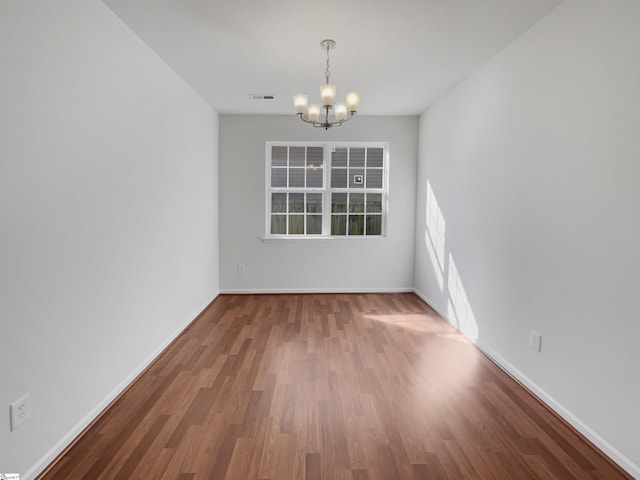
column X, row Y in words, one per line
column 108, row 216
column 532, row 164
column 312, row 265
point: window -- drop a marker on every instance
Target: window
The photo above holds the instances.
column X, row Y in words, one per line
column 323, row 190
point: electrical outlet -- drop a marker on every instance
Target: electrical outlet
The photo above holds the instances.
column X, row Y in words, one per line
column 241, row 268
column 396, row 268
column 535, row 341
column 20, row 411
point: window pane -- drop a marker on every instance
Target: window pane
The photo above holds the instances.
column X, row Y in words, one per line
column 314, row 177
column 314, row 203
column 356, row 203
column 339, row 157
column 338, row 224
column 279, row 156
column 315, row 157
column 296, row 177
column 296, row 156
column 296, row 224
column 338, row 178
column 339, row 202
column 356, row 178
column 278, row 202
column 374, row 178
column 278, row 177
column 374, row 202
column 314, row 224
column 278, row 224
column 356, row 224
column 356, row 157
column 374, row 157
column 296, row 202
column 374, row 224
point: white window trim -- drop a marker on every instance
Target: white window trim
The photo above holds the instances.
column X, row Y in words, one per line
column 326, row 190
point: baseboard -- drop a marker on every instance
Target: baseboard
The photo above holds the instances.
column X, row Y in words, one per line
column 259, row 291
column 605, row 447
column 66, row 441
column 432, row 304
column 614, row 455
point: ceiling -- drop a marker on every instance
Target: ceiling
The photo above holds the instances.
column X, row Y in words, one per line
column 401, row 55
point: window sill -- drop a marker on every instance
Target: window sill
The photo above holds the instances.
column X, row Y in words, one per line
column 322, row 238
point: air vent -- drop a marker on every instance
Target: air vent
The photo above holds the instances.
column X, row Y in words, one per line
column 260, row 96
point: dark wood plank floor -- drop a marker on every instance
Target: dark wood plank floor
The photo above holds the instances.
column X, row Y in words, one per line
column 335, row 386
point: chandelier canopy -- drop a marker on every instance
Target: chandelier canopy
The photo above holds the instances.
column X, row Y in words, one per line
column 342, row 111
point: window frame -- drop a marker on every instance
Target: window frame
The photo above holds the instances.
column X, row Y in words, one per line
column 326, row 190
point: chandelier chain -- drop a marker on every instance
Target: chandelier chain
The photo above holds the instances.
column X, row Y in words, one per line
column 326, row 72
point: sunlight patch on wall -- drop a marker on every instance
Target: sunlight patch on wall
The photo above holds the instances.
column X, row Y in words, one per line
column 434, row 235
column 459, row 309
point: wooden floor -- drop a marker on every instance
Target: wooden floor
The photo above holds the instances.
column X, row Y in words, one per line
column 336, row 386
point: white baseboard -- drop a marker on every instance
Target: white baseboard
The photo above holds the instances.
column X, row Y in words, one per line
column 432, row 304
column 66, row 440
column 565, row 413
column 258, row 291
column 614, row 454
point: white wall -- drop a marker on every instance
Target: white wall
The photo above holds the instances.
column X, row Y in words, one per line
column 312, row 265
column 534, row 164
column 108, row 216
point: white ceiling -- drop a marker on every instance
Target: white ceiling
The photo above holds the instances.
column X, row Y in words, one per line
column 400, row 56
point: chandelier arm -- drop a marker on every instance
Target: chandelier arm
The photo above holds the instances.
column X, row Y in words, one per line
column 326, row 124
column 305, row 120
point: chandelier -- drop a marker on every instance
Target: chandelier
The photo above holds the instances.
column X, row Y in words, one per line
column 312, row 113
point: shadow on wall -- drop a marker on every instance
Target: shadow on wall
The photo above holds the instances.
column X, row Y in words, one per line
column 459, row 311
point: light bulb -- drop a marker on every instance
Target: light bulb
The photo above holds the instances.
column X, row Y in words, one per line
column 353, row 101
column 313, row 112
column 340, row 110
column 300, row 103
column 327, row 94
